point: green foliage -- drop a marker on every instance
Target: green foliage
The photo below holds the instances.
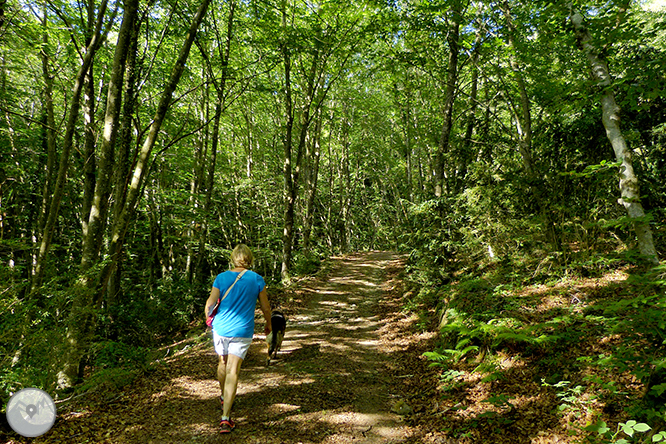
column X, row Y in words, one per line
column 114, row 365
column 307, row 264
column 462, row 349
column 592, row 170
column 500, row 401
column 570, row 397
column 607, row 436
column 30, row 338
column 487, row 310
column 149, row 319
column 111, row 354
column 449, row 378
column 108, row 381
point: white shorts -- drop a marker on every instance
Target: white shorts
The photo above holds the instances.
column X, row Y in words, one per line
column 231, row 346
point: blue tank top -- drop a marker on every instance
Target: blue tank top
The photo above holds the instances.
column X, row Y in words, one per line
column 235, row 316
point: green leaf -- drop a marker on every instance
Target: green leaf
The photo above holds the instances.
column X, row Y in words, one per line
column 661, row 436
column 632, row 426
column 659, row 389
column 627, row 429
column 642, row 427
column 600, row 427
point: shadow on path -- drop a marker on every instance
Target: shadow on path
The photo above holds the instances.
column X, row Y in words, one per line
column 328, row 385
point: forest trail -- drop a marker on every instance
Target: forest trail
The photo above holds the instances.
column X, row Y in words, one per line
column 330, row 384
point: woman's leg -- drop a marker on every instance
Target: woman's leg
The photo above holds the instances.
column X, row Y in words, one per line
column 230, row 378
column 222, row 372
column 222, row 350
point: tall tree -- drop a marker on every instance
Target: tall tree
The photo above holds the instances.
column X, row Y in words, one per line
column 313, row 155
column 523, row 122
column 320, row 55
column 98, row 215
column 629, row 189
column 220, row 84
column 88, row 297
column 49, row 227
column 49, row 127
column 452, row 36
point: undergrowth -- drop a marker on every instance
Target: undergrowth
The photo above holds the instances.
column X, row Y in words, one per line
column 592, row 332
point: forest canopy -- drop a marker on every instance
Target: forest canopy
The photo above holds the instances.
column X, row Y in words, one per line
column 140, row 141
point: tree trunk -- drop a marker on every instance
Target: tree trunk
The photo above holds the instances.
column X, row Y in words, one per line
column 523, row 122
column 288, row 169
column 406, row 114
column 313, row 154
column 138, row 177
column 209, row 185
column 523, row 116
column 54, row 209
column 451, row 81
column 97, row 218
column 194, row 231
column 345, row 188
column 629, row 189
column 330, row 226
column 313, row 99
column 83, row 315
column 122, row 161
column 466, row 149
column 220, row 89
column 291, row 191
column 49, row 132
column 89, row 155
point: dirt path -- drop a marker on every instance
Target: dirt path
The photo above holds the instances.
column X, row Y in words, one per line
column 330, row 384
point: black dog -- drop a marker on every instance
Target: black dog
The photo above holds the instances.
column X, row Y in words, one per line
column 274, row 338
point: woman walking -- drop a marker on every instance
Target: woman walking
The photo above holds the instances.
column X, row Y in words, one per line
column 233, row 325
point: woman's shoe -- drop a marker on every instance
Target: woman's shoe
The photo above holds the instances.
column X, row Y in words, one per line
column 227, row 425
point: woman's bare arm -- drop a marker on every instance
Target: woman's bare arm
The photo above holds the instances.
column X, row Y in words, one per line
column 266, row 309
column 211, row 301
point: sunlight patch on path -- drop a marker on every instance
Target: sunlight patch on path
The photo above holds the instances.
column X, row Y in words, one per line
column 366, row 425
